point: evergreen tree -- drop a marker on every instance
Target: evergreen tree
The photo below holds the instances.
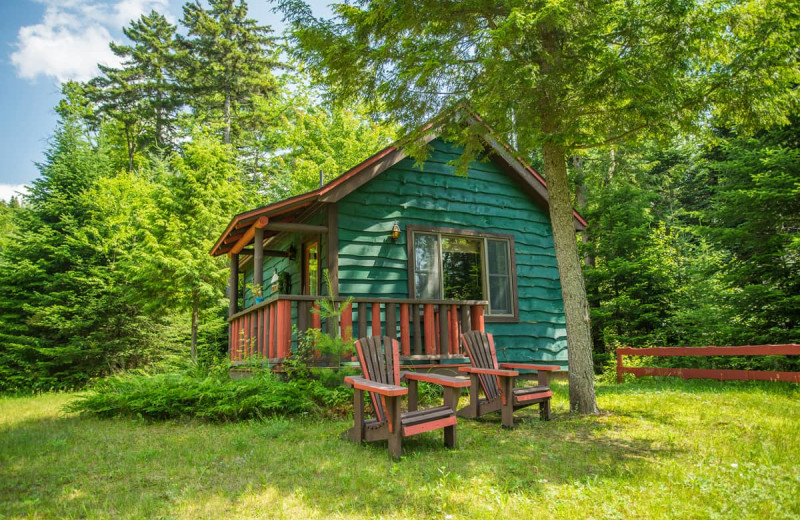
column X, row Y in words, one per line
column 754, row 216
column 142, row 95
column 63, row 320
column 227, row 62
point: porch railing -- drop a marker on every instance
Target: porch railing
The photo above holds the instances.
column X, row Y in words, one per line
column 426, row 329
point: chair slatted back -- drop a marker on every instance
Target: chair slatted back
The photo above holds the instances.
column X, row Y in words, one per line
column 480, row 349
column 380, row 362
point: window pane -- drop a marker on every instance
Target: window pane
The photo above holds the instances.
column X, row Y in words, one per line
column 497, row 256
column 497, row 259
column 462, row 268
column 500, row 295
column 426, row 263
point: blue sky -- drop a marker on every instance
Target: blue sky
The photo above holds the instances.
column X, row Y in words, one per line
column 46, row 42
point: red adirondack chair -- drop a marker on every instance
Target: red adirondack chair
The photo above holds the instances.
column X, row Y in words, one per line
column 380, row 363
column 497, row 382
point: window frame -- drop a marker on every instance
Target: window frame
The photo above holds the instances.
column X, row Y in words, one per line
column 412, row 229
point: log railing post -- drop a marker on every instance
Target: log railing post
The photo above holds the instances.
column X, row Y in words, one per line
column 376, row 319
column 430, row 329
column 619, row 366
column 405, row 339
column 284, row 327
column 444, row 331
column 477, row 317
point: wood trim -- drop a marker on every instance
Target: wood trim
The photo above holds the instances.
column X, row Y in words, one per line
column 525, row 366
column 792, row 349
column 530, row 397
column 453, row 382
column 294, row 227
column 249, row 235
column 428, row 426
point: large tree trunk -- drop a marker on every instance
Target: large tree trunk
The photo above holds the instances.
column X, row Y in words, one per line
column 576, row 307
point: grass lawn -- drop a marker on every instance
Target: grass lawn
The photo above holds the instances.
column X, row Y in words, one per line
column 662, row 449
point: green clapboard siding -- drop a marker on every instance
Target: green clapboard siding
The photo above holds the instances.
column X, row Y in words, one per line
column 370, row 264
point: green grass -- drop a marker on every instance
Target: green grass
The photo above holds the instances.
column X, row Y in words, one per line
column 662, row 449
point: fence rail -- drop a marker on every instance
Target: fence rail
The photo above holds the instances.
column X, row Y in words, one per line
column 792, row 349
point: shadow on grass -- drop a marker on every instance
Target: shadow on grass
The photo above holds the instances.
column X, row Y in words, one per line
column 69, row 466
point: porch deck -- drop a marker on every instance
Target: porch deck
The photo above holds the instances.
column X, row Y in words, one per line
column 428, row 330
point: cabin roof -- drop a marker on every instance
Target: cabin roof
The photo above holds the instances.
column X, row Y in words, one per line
column 290, row 209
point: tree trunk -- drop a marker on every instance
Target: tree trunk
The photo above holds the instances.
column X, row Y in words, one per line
column 195, row 313
column 226, row 113
column 576, row 307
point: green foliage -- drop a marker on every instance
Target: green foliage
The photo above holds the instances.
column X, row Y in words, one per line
column 207, row 395
column 226, row 63
column 754, row 216
column 142, row 96
column 315, row 138
column 66, row 317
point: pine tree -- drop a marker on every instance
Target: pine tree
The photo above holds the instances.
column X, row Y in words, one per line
column 142, row 96
column 754, row 216
column 227, row 62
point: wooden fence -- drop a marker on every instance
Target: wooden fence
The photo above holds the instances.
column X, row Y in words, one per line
column 792, row 349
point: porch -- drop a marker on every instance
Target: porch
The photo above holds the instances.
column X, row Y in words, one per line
column 427, row 330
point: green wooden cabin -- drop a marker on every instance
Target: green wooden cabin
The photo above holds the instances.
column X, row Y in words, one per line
column 425, row 253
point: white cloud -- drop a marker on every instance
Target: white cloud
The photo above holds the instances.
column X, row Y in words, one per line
column 7, row 190
column 73, row 37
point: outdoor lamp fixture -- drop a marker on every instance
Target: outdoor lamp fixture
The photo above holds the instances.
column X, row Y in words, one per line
column 274, row 281
column 395, row 231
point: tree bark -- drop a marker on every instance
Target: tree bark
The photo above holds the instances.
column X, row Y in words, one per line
column 226, row 112
column 576, row 307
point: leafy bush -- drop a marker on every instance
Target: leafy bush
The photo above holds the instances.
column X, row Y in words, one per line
column 208, row 395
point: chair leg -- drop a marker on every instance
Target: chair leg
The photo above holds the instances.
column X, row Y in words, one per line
column 508, row 415
column 507, row 411
column 471, row 410
column 544, row 410
column 392, row 406
column 450, row 436
column 356, row 433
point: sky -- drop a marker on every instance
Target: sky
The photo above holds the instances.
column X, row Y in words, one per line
column 46, row 42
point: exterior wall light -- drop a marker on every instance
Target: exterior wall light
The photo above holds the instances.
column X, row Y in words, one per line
column 274, row 282
column 395, row 231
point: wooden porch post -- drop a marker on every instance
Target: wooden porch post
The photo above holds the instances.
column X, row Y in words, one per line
column 258, row 258
column 233, row 286
column 333, row 257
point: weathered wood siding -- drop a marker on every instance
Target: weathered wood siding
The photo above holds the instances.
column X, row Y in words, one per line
column 370, row 264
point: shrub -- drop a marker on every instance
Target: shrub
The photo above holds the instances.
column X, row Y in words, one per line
column 207, row 395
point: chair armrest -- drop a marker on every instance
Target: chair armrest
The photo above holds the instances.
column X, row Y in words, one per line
column 525, row 366
column 438, row 379
column 489, row 371
column 373, row 386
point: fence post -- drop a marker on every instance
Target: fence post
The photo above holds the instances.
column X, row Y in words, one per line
column 619, row 366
